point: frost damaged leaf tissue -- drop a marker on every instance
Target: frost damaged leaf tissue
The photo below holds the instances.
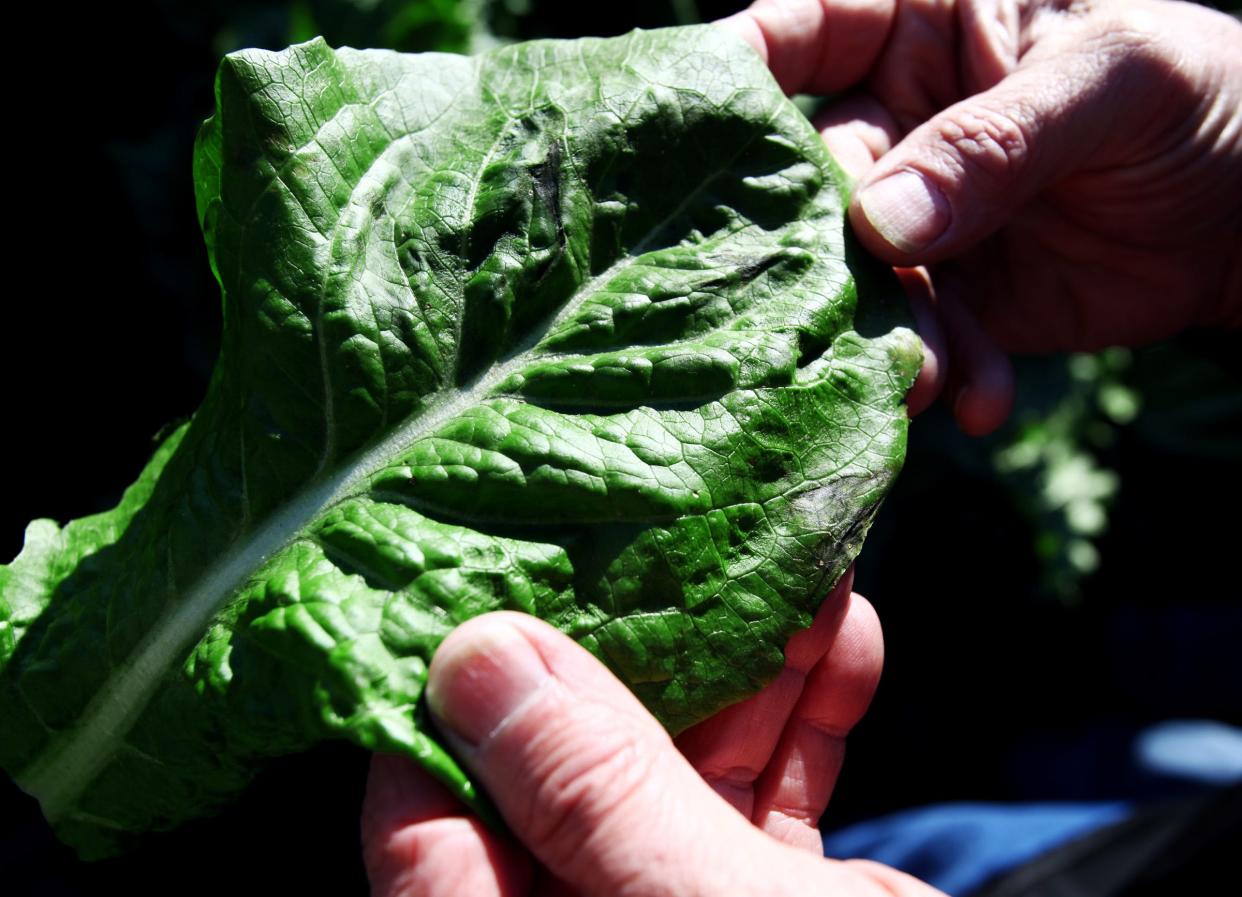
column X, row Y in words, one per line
column 565, row 328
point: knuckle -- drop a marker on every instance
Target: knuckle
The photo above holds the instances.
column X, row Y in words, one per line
column 987, row 143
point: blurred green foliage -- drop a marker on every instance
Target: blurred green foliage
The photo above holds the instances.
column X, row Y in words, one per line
column 447, row 26
column 450, row 26
column 1049, row 459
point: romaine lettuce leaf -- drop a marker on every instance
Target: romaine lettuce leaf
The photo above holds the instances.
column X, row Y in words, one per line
column 567, row 328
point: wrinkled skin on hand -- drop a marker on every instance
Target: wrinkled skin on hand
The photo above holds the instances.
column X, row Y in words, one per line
column 1068, row 171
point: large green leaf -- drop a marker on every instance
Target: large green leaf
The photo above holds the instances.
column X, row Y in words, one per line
column 566, row 328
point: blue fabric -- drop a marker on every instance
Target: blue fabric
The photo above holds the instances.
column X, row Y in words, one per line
column 1194, row 751
column 960, row 847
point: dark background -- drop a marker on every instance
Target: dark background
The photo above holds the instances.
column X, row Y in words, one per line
column 1027, row 641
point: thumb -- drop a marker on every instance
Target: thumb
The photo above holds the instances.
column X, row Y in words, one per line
column 586, row 778
column 965, row 173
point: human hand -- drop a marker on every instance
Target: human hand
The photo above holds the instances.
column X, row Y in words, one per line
column 597, row 795
column 1069, row 171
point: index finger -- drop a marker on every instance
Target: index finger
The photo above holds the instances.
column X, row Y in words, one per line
column 418, row 841
column 815, row 46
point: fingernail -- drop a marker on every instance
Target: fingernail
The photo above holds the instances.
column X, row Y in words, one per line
column 479, row 681
column 906, row 209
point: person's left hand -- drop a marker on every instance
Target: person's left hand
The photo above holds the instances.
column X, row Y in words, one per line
column 600, row 798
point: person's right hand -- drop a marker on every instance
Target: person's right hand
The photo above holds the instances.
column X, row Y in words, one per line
column 1069, row 170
